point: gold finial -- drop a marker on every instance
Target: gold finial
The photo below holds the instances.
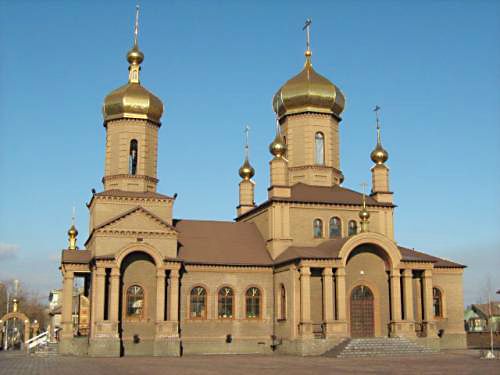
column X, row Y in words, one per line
column 278, row 145
column 72, row 233
column 307, row 28
column 246, row 171
column 364, row 215
column 15, row 304
column 379, row 155
column 135, row 57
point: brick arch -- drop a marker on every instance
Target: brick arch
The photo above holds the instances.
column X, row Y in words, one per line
column 139, row 248
column 370, row 238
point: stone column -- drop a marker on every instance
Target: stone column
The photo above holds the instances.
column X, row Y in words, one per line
column 174, row 295
column 114, row 294
column 160, row 295
column 395, row 282
column 408, row 295
column 428, row 316
column 327, row 300
column 67, row 304
column 341, row 294
column 305, row 301
column 100, row 275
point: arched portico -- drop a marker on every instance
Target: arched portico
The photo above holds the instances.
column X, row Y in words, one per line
column 16, row 315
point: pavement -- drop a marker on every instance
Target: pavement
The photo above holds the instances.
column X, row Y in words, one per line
column 450, row 362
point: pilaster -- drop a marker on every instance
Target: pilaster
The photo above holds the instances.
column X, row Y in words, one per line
column 305, row 302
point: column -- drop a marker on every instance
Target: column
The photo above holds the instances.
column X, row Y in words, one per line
column 341, row 299
column 114, row 294
column 305, row 301
column 408, row 295
column 327, row 294
column 428, row 314
column 67, row 308
column 160, row 295
column 174, row 295
column 100, row 275
column 395, row 295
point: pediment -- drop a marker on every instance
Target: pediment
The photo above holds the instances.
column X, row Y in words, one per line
column 137, row 219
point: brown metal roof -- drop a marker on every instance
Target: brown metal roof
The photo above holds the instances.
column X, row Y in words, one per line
column 76, row 256
column 484, row 308
column 221, row 242
column 327, row 250
column 411, row 255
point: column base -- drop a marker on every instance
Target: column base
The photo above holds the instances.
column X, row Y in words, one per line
column 305, row 329
column 335, row 328
column 402, row 328
column 429, row 328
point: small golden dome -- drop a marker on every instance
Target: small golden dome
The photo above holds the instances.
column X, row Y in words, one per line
column 246, row 170
column 308, row 91
column 364, row 215
column 379, row 155
column 278, row 146
column 72, row 232
column 135, row 56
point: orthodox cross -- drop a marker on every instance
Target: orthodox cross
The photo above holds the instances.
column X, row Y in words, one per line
column 376, row 109
column 363, row 186
column 136, row 28
column 307, row 28
column 247, row 131
column 73, row 216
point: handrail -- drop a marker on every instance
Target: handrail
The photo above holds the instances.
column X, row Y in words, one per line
column 37, row 340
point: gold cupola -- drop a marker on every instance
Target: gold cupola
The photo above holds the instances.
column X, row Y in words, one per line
column 308, row 91
column 72, row 234
column 278, row 146
column 246, row 170
column 132, row 100
column 379, row 155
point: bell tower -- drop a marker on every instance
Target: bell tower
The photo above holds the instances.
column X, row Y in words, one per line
column 308, row 107
column 132, row 120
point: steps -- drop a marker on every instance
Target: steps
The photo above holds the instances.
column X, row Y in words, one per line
column 50, row 349
column 379, row 346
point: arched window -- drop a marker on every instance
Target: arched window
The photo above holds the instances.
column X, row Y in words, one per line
column 135, row 301
column 252, row 297
column 319, row 147
column 225, row 305
column 353, row 227
column 132, row 157
column 282, row 302
column 437, row 302
column 318, row 228
column 335, row 227
column 198, row 304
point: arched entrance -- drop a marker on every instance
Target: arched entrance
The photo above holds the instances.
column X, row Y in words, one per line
column 362, row 312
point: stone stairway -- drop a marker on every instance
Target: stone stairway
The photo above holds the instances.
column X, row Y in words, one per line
column 49, row 349
column 379, row 346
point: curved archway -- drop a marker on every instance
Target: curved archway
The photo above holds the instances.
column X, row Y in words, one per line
column 388, row 247
column 23, row 319
column 362, row 312
column 139, row 248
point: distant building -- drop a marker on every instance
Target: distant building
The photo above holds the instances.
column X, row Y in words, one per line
column 479, row 317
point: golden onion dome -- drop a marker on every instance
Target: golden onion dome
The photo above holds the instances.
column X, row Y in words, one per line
column 308, row 91
column 278, row 146
column 132, row 100
column 379, row 155
column 72, row 232
column 364, row 215
column 246, row 170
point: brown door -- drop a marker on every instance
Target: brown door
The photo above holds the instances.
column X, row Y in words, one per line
column 362, row 322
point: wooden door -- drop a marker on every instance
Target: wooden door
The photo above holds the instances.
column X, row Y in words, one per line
column 362, row 315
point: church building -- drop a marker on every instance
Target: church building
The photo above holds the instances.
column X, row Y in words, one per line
column 314, row 265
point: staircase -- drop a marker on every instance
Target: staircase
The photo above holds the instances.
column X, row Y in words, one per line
column 379, row 346
column 49, row 349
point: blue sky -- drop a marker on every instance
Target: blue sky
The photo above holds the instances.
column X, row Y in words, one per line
column 433, row 67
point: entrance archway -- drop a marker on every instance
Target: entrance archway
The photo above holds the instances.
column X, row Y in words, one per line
column 362, row 312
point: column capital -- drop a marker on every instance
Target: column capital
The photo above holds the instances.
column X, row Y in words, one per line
column 115, row 272
column 395, row 272
column 100, row 271
column 160, row 273
column 327, row 271
column 174, row 273
column 340, row 272
column 407, row 272
column 69, row 274
column 305, row 271
column 427, row 274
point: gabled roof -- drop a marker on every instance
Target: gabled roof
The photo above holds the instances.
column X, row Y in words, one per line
column 221, row 243
column 131, row 194
column 129, row 212
column 483, row 309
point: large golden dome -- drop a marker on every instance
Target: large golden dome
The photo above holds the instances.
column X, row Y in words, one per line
column 132, row 100
column 308, row 91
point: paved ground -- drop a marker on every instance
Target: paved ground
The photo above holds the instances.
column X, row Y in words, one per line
column 451, row 363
